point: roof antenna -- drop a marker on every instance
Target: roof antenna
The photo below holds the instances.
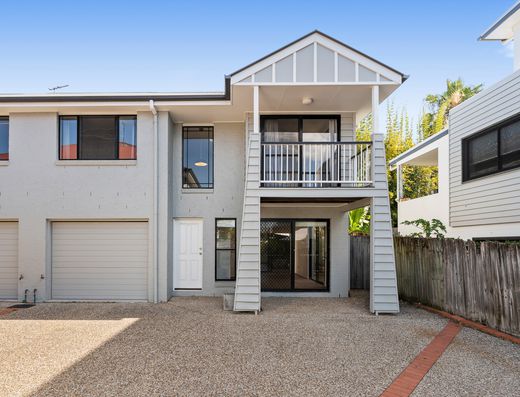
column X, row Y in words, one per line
column 58, row 87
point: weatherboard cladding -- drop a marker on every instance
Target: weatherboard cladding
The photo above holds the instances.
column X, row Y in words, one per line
column 491, row 199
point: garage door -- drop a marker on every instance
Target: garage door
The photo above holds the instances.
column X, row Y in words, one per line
column 99, row 260
column 8, row 260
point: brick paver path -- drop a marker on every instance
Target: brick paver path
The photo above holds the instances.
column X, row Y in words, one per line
column 412, row 375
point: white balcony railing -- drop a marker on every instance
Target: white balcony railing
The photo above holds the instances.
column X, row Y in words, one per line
column 316, row 164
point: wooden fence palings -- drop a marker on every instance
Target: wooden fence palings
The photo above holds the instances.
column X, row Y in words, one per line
column 478, row 281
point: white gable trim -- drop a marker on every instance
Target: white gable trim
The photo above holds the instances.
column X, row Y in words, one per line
column 315, row 39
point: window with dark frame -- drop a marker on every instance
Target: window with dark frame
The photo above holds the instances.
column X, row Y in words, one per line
column 294, row 254
column 98, row 138
column 283, row 160
column 197, row 157
column 494, row 150
column 225, row 249
column 4, row 138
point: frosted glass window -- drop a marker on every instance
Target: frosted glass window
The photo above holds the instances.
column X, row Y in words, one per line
column 305, row 64
column 284, row 70
column 346, row 69
column 325, row 64
column 366, row 74
column 264, row 75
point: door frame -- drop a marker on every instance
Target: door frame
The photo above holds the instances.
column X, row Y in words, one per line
column 176, row 243
column 293, row 252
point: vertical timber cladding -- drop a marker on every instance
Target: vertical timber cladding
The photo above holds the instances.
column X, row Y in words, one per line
column 100, row 260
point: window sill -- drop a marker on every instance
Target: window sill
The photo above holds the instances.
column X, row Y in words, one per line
column 4, row 163
column 96, row 162
column 199, row 191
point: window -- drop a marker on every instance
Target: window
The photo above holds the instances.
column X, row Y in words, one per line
column 4, row 138
column 492, row 151
column 225, row 249
column 312, row 159
column 300, row 128
column 98, row 138
column 197, row 157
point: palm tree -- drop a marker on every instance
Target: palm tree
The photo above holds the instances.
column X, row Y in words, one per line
column 440, row 105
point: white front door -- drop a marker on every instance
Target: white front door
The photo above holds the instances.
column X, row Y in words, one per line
column 187, row 262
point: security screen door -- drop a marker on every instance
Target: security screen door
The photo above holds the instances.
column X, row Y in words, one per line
column 294, row 255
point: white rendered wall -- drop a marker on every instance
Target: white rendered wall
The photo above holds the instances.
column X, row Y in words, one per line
column 435, row 206
column 223, row 201
column 516, row 46
column 35, row 189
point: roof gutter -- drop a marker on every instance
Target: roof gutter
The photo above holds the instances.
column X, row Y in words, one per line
column 226, row 96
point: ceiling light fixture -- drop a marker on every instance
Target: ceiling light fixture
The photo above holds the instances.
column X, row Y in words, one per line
column 307, row 100
column 201, row 164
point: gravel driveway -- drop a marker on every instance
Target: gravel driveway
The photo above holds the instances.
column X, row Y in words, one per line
column 189, row 346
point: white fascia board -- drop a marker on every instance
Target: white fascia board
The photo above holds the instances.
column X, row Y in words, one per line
column 331, row 45
column 111, row 104
column 321, row 83
column 429, row 145
column 503, row 28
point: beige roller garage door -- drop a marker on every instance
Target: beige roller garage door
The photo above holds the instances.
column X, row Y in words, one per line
column 8, row 260
column 99, row 260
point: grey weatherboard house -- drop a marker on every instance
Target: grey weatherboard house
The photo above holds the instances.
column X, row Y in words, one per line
column 148, row 196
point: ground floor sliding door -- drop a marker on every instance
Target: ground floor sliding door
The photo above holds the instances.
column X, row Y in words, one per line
column 295, row 255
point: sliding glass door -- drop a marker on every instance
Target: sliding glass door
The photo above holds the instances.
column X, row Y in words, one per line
column 294, row 255
column 299, row 148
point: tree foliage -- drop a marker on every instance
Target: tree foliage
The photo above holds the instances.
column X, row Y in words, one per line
column 359, row 222
column 434, row 228
column 435, row 119
column 419, row 181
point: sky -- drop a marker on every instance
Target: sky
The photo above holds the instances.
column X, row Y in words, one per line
column 188, row 46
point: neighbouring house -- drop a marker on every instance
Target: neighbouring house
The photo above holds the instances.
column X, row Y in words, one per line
column 148, row 196
column 478, row 158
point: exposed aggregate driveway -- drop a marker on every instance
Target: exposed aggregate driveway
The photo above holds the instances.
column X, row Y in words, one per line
column 190, row 346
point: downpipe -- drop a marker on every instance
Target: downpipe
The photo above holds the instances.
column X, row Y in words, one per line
column 155, row 216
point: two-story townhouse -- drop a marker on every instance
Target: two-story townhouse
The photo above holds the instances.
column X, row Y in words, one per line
column 149, row 196
column 478, row 158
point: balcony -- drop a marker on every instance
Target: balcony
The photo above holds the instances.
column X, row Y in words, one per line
column 316, row 164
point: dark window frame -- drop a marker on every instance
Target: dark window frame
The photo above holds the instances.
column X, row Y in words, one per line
column 185, row 185
column 466, row 177
column 79, row 119
column 300, row 118
column 293, row 246
column 225, row 249
column 6, row 118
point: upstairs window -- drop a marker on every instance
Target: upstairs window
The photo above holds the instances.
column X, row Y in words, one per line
column 98, row 138
column 4, row 138
column 197, row 157
column 492, row 151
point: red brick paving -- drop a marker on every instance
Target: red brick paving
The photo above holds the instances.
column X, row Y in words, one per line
column 412, row 375
column 7, row 310
column 472, row 324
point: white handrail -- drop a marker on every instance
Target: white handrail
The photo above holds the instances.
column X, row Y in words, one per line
column 315, row 164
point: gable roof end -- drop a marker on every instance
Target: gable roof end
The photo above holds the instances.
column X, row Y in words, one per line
column 502, row 29
column 317, row 32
